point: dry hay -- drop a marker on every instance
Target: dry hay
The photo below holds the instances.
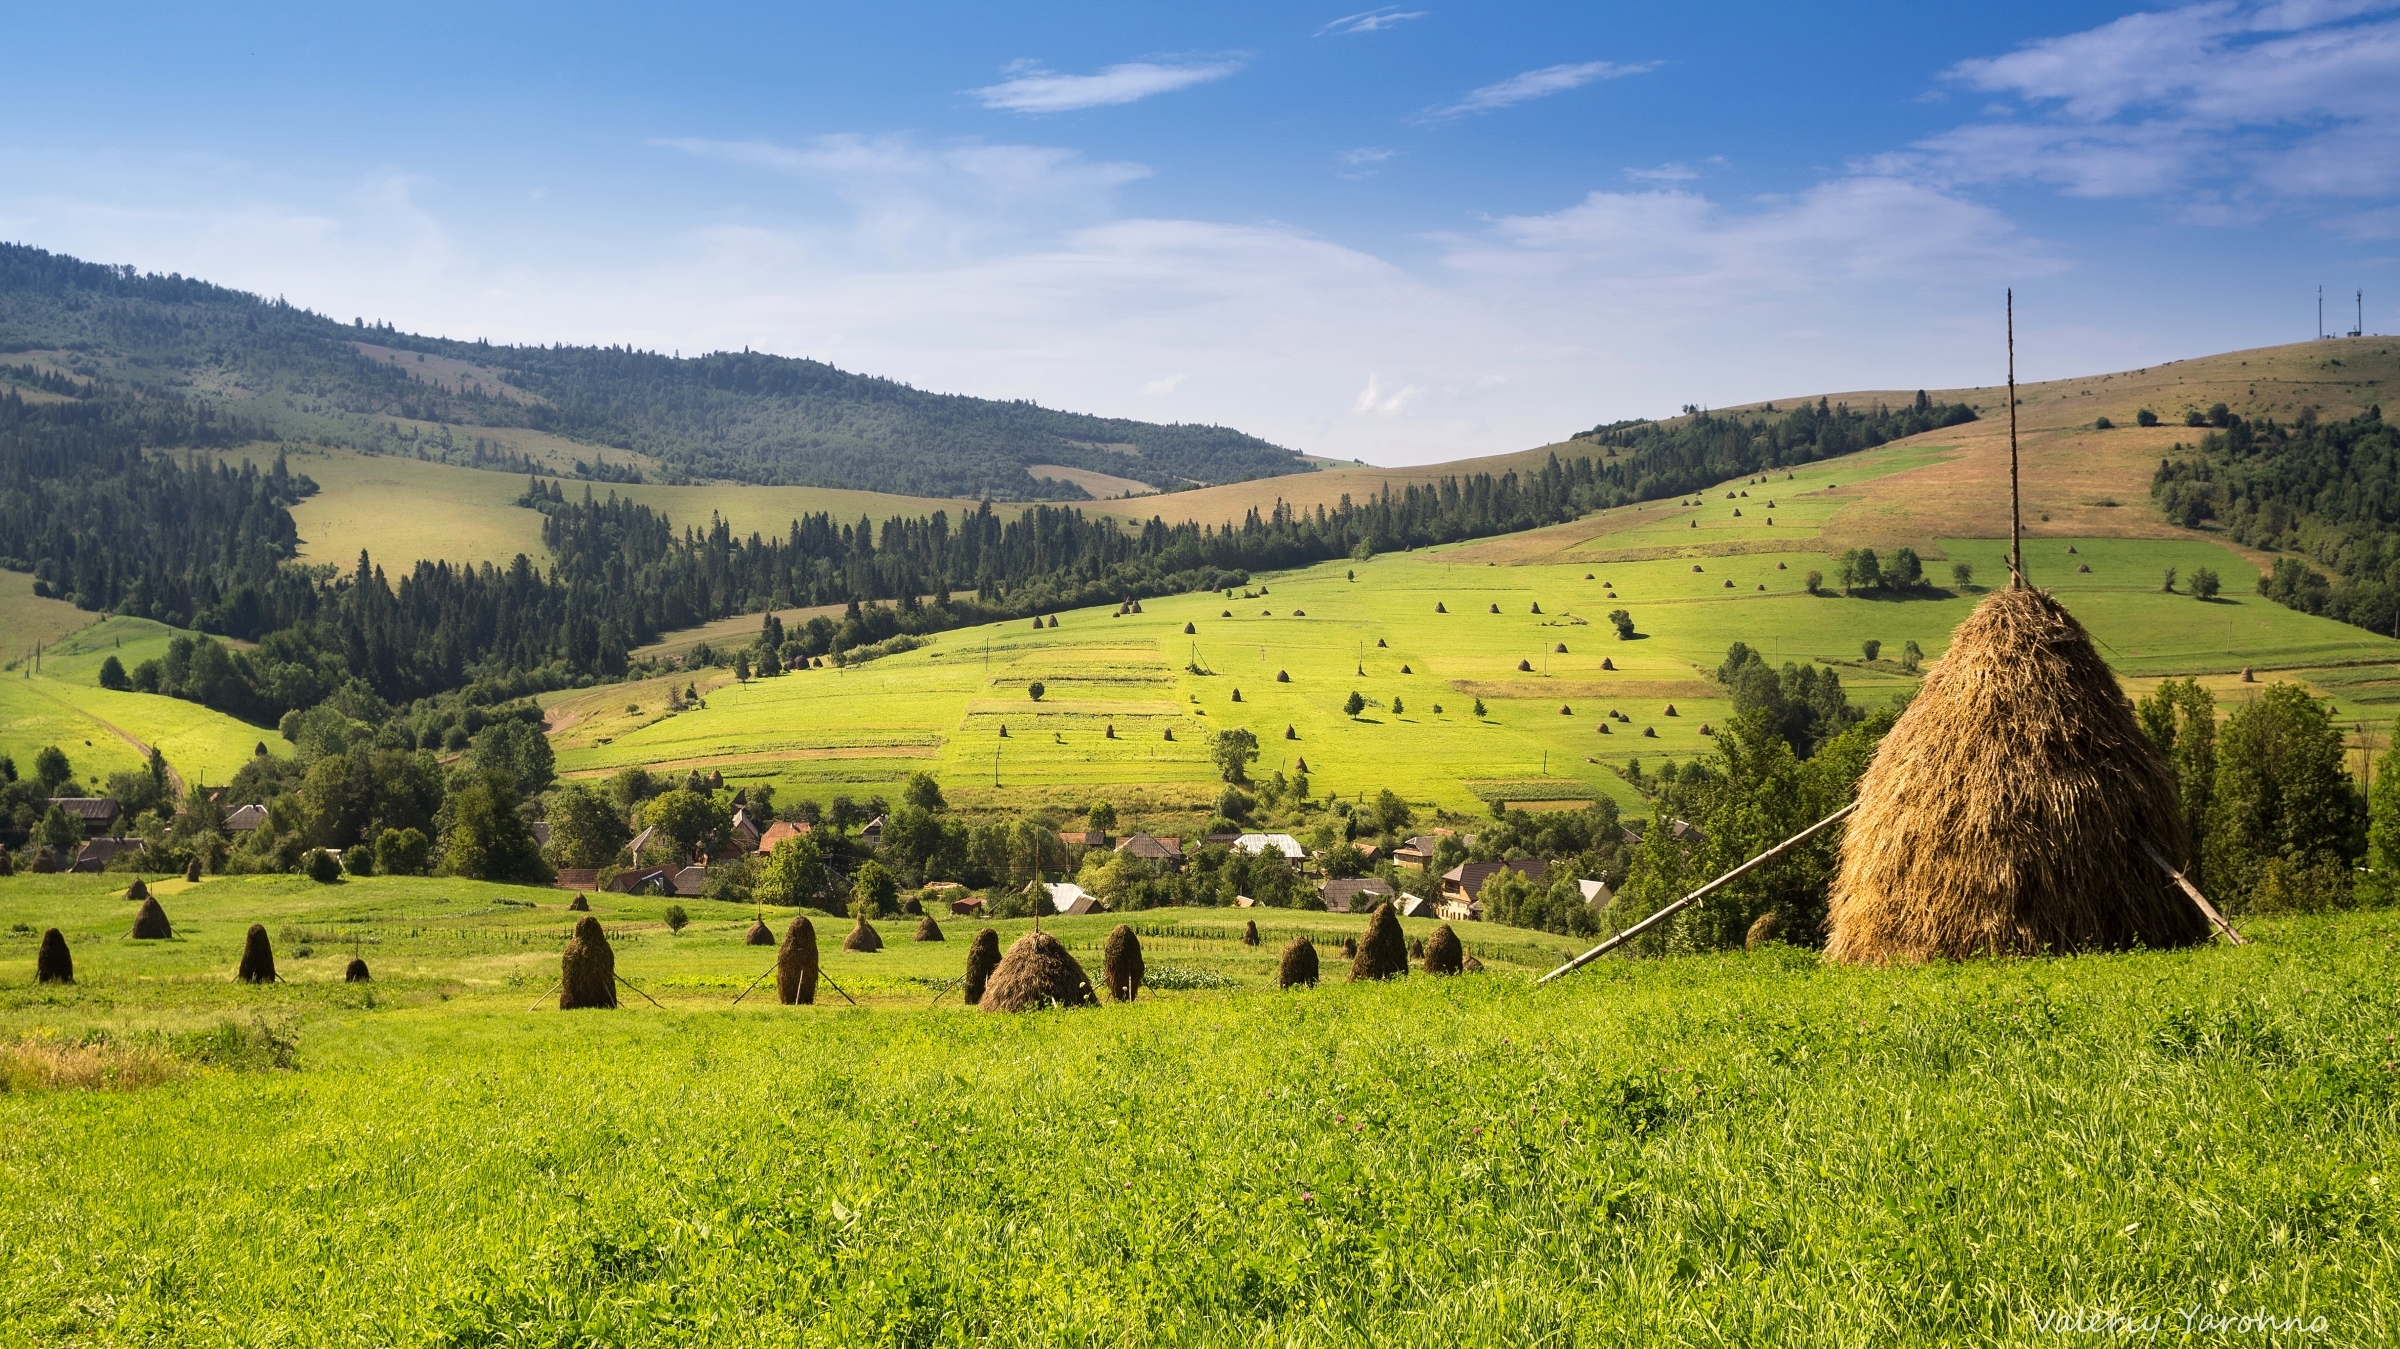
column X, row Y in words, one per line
column 2005, row 811
column 1416, row 949
column 1121, row 964
column 864, row 937
column 929, row 930
column 258, row 958
column 137, row 892
column 1443, row 954
column 914, row 908
column 151, row 923
column 1470, row 965
column 1349, row 948
column 53, row 964
column 1037, row 972
column 1299, row 968
column 759, row 934
column 1768, row 927
column 1384, row 952
column 356, row 972
column 1250, row 933
column 579, row 904
column 191, row 871
column 796, row 964
column 587, row 969
column 982, row 958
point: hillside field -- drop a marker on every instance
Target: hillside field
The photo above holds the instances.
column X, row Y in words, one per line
column 1736, row 1149
column 105, row 731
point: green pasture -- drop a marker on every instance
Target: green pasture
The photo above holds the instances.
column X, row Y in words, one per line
column 1735, row 1149
column 64, row 705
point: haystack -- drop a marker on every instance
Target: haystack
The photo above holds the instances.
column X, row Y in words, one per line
column 356, row 972
column 1037, row 972
column 587, row 969
column 796, row 964
column 1470, row 965
column 759, row 934
column 982, row 958
column 191, row 871
column 137, row 892
column 1250, row 934
column 1768, row 927
column 579, row 904
column 1416, row 949
column 1121, row 964
column 53, row 964
column 1299, row 965
column 151, row 923
column 1384, row 952
column 929, row 930
column 914, row 908
column 864, row 937
column 258, row 958
column 1443, row 954
column 1349, row 948
column 2006, row 811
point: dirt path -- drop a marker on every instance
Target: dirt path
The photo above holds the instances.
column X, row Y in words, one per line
column 174, row 779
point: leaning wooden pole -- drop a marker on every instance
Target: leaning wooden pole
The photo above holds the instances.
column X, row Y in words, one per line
column 1697, row 895
column 2016, row 512
column 2192, row 892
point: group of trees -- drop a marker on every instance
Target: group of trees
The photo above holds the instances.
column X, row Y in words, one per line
column 1659, row 459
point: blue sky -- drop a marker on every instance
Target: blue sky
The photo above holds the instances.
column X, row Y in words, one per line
column 1399, row 234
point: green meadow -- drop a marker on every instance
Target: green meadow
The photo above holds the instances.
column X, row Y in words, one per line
column 1738, row 1149
column 64, row 705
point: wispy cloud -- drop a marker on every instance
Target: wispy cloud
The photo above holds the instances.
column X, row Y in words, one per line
column 1037, row 90
column 1664, row 173
column 1370, row 21
column 1541, row 83
column 1159, row 387
column 1367, row 154
column 1376, row 400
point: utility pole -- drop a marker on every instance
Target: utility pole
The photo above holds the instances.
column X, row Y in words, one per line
column 2320, row 313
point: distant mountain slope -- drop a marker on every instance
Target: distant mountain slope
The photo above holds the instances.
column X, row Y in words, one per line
column 738, row 416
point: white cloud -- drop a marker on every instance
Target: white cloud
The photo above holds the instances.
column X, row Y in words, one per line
column 1370, row 21
column 1167, row 385
column 1037, row 90
column 1541, row 83
column 1368, row 154
column 1377, row 400
column 1664, row 173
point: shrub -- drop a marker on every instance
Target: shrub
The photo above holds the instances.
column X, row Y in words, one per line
column 2103, row 424
column 1870, row 648
column 2204, row 583
column 677, row 919
column 1962, row 575
column 358, row 860
column 1815, row 582
column 1622, row 620
column 1036, row 690
column 112, row 676
column 2145, row 417
column 323, row 867
column 1354, row 704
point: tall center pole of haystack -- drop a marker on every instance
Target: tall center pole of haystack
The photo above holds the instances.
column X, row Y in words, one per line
column 2016, row 514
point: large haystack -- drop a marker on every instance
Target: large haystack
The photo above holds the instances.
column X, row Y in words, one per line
column 1299, row 968
column 258, row 958
column 52, row 964
column 587, row 968
column 864, row 937
column 356, row 972
column 1037, row 972
column 759, row 934
column 1384, row 952
column 982, row 958
column 1443, row 954
column 2005, row 812
column 796, row 964
column 1121, row 964
column 151, row 923
column 138, row 891
column 579, row 904
column 929, row 930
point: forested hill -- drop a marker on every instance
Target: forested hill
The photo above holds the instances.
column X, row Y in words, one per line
column 739, row 416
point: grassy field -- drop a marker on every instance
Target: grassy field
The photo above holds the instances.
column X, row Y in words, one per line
column 1741, row 1149
column 1695, row 579
column 103, row 731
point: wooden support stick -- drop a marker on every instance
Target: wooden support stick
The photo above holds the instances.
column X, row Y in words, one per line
column 1694, row 897
column 636, row 988
column 537, row 1002
column 2192, row 892
column 737, row 998
column 821, row 974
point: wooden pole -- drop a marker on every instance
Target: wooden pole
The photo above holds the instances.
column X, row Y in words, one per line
column 821, row 974
column 737, row 998
column 1696, row 896
column 2016, row 514
column 636, row 988
column 2192, row 892
column 537, row 1002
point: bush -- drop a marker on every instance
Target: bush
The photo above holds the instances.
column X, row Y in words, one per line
column 112, row 675
column 1962, row 575
column 1870, row 648
column 1815, row 583
column 2204, row 583
column 677, row 919
column 2103, row 424
column 358, row 860
column 1035, row 688
column 1622, row 620
column 402, row 852
column 2145, row 417
column 323, row 867
column 1354, row 704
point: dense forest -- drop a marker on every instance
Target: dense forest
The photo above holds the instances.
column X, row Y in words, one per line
column 739, row 416
column 1649, row 460
column 2326, row 493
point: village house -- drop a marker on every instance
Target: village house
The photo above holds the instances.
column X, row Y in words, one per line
column 1418, row 850
column 1084, row 838
column 245, row 819
column 1071, row 900
column 98, row 813
column 1462, row 884
column 744, row 833
column 1355, row 896
column 1282, row 845
column 1165, row 852
column 778, row 832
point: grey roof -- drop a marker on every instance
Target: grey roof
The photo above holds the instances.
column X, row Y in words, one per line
column 1344, row 896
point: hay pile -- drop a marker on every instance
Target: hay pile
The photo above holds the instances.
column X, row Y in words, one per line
column 151, row 923
column 1250, row 933
column 258, row 958
column 1768, row 927
column 587, row 969
column 2005, row 812
column 914, row 908
column 191, row 871
column 356, row 972
column 137, row 892
column 1443, row 954
column 982, row 958
column 1470, row 965
column 1037, row 972
column 1299, row 965
column 1384, row 953
column 53, row 964
column 1349, row 948
column 929, row 930
column 579, row 904
column 796, row 964
column 864, row 937
column 759, row 934
column 1121, row 964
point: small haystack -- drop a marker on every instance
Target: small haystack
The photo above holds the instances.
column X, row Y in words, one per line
column 1121, row 964
column 1349, row 948
column 915, row 907
column 1443, row 954
column 864, row 937
column 1037, row 972
column 137, row 892
column 151, row 923
column 1299, row 964
column 1769, row 927
column 53, row 964
column 579, row 904
column 982, row 958
column 1250, row 933
column 2006, row 812
column 759, row 934
column 191, row 871
column 796, row 964
column 258, row 957
column 929, row 930
column 1416, row 949
column 1384, row 952
column 587, row 969
column 1470, row 965
column 356, row 972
